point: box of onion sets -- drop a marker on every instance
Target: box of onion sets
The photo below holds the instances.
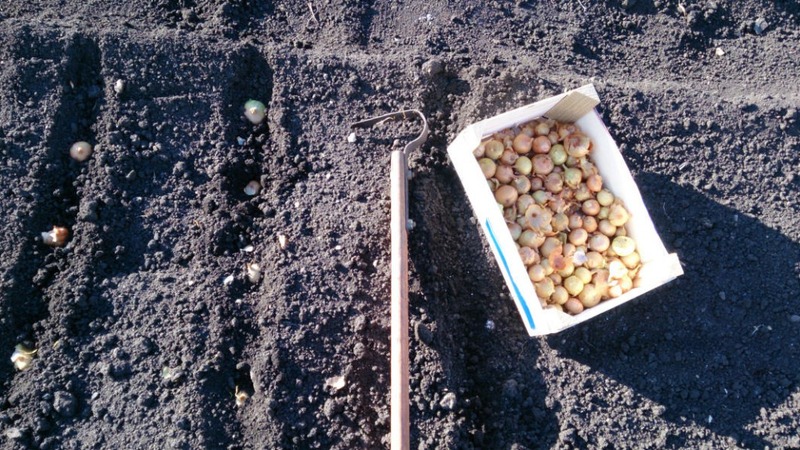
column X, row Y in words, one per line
column 560, row 211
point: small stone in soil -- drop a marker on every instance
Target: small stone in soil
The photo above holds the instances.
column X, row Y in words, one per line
column 760, row 25
column 423, row 333
column 64, row 404
column 448, row 402
column 432, row 67
column 119, row 86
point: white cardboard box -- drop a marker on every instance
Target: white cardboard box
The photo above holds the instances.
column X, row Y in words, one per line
column 658, row 266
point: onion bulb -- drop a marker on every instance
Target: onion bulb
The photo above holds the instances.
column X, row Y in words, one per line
column 594, row 182
column 623, row 246
column 524, row 201
column 515, row 229
column 594, row 260
column 550, row 245
column 590, row 207
column 599, row 242
column 542, row 145
column 494, row 149
column 573, row 306
column 573, row 177
column 606, row 228
column 617, row 215
column 504, row 174
column 542, row 164
column 578, row 236
column 506, row 195
column 544, row 288
column 523, row 165
column 56, row 237
column 553, row 183
column 558, row 154
column 559, row 295
column 255, row 111
column 632, row 260
column 574, row 285
column 590, row 224
column 80, row 151
column 605, row 198
column 530, row 238
column 522, row 184
column 509, row 157
column 488, row 167
column 539, row 219
column 529, row 256
column 577, row 145
column 536, row 273
column 590, row 296
column 522, row 143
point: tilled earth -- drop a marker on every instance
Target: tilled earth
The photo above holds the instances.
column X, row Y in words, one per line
column 141, row 343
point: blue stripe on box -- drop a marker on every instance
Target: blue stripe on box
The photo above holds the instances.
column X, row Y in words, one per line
column 518, row 294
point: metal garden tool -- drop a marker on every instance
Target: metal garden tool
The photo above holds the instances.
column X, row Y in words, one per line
column 399, row 307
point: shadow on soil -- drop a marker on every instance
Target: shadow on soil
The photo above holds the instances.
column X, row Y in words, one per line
column 491, row 369
column 717, row 345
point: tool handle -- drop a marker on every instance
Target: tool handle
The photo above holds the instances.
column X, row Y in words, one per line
column 399, row 309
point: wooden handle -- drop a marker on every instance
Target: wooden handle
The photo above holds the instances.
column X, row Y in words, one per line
column 399, row 309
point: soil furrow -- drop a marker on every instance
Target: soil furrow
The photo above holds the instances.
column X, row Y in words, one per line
column 56, row 177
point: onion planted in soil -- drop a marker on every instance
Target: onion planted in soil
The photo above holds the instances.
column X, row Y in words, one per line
column 56, row 237
column 252, row 188
column 80, row 151
column 255, row 111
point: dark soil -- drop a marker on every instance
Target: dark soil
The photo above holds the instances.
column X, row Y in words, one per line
column 141, row 344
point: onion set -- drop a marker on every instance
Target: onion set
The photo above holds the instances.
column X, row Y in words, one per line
column 569, row 227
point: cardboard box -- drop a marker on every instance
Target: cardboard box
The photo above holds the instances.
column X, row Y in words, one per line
column 658, row 266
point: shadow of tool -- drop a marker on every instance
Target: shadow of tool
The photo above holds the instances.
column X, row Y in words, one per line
column 718, row 342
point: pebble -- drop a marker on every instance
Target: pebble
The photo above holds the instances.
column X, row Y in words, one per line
column 423, row 333
column 448, row 402
column 490, row 325
column 760, row 25
column 332, row 408
column 64, row 404
column 351, row 138
column 119, row 86
column 13, row 433
column 432, row 67
column 794, row 318
column 719, row 51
